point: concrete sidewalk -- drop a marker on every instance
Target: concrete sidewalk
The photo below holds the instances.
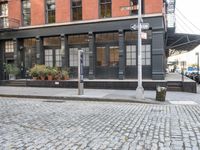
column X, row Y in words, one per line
column 94, row 94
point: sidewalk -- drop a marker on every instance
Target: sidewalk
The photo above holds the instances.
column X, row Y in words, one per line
column 93, row 94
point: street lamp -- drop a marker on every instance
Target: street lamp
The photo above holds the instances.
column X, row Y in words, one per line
column 140, row 89
column 197, row 54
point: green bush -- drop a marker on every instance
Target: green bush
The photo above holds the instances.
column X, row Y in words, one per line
column 12, row 69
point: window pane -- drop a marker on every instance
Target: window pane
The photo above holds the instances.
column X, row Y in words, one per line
column 101, row 56
column 114, row 56
column 9, row 47
column 130, row 55
column 105, row 7
column 52, row 41
column 26, row 12
column 76, row 10
column 51, row 11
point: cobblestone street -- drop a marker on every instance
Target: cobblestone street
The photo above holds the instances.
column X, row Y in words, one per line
column 41, row 124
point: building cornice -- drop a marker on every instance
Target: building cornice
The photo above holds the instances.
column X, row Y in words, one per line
column 90, row 21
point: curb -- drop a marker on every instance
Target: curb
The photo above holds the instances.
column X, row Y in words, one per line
column 147, row 101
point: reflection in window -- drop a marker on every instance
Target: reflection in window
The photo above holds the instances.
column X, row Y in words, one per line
column 130, row 55
column 51, row 11
column 30, row 42
column 101, row 60
column 26, row 12
column 114, row 56
column 105, row 8
column 49, row 57
column 146, row 54
column 78, row 39
column 9, row 47
column 107, row 37
column 4, row 15
column 76, row 10
column 73, row 56
column 133, row 35
column 51, row 41
column 58, row 58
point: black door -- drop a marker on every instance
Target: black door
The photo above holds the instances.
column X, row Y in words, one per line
column 107, row 62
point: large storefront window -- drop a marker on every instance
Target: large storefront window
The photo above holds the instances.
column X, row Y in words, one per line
column 73, row 57
column 76, row 10
column 4, row 15
column 9, row 47
column 77, row 42
column 26, row 12
column 52, row 52
column 105, row 8
column 28, row 53
column 51, row 11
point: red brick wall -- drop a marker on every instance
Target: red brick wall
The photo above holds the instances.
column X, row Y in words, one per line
column 63, row 11
column 37, row 12
column 153, row 7
column 90, row 9
column 14, row 12
column 116, row 8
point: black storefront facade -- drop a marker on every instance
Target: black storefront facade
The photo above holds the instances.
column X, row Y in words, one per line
column 109, row 45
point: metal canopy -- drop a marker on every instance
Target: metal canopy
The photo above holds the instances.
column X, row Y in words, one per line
column 182, row 42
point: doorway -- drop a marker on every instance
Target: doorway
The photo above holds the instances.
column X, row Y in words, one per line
column 107, row 61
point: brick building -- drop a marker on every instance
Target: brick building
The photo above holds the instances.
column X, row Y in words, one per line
column 50, row 32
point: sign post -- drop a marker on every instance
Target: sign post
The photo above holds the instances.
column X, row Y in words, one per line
column 140, row 89
column 80, row 73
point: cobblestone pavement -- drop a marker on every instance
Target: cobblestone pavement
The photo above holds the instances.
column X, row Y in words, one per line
column 36, row 124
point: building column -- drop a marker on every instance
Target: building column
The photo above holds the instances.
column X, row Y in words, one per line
column 121, row 55
column 91, row 55
column 158, row 55
column 39, row 53
column 17, row 61
column 2, row 76
column 64, row 51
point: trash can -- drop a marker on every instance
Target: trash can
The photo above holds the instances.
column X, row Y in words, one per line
column 160, row 93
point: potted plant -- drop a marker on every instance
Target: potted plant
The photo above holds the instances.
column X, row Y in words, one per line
column 51, row 72
column 12, row 71
column 34, row 72
column 42, row 70
column 65, row 74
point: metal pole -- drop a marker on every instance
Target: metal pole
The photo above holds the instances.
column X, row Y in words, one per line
column 198, row 63
column 80, row 73
column 140, row 89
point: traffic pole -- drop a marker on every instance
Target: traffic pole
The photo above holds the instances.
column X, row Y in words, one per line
column 140, row 89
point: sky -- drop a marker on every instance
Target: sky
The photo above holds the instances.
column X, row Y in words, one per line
column 189, row 9
column 187, row 13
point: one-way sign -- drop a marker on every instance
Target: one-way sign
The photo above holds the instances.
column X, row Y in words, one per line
column 145, row 26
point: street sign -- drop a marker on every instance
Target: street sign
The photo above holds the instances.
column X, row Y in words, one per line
column 135, row 7
column 145, row 26
column 144, row 35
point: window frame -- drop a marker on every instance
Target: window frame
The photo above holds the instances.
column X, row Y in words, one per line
column 10, row 45
column 27, row 14
column 50, row 10
column 4, row 16
column 100, row 9
column 76, row 7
